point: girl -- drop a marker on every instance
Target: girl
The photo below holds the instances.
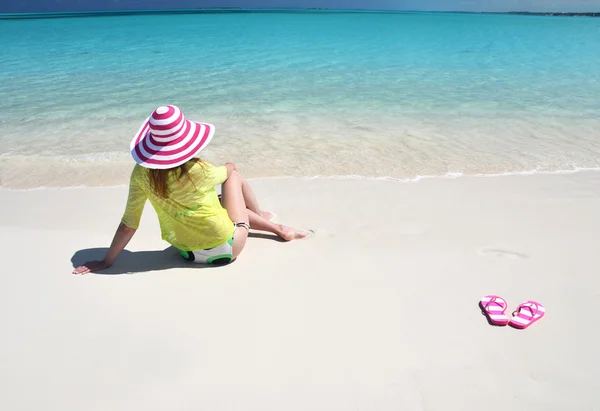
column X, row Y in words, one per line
column 181, row 189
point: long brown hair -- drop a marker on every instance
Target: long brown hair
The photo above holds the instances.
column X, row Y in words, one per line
column 159, row 179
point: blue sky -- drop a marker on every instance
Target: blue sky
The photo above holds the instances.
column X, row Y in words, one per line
column 7, row 6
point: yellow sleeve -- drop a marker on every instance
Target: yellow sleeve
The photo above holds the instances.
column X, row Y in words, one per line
column 135, row 204
column 216, row 175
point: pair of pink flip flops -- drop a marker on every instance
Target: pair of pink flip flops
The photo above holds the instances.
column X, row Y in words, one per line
column 526, row 313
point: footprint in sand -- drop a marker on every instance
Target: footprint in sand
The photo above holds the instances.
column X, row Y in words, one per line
column 498, row 252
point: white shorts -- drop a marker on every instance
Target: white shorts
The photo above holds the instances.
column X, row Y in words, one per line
column 219, row 255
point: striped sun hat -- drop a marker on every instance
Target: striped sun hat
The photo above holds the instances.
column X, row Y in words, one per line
column 167, row 139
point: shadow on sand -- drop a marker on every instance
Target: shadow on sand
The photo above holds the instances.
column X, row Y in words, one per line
column 130, row 262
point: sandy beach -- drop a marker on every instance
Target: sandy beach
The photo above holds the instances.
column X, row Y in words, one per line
column 376, row 310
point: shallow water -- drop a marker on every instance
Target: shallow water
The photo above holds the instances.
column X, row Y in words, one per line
column 297, row 94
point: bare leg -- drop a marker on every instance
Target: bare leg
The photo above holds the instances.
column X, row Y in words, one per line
column 233, row 202
column 260, row 223
column 250, row 197
column 251, row 201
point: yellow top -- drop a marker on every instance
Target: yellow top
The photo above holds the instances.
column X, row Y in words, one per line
column 191, row 218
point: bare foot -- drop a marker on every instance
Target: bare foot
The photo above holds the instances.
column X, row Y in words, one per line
column 266, row 215
column 289, row 234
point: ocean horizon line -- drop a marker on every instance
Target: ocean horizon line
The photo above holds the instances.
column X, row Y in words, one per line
column 225, row 10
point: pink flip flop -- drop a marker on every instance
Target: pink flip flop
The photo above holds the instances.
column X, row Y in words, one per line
column 526, row 314
column 494, row 308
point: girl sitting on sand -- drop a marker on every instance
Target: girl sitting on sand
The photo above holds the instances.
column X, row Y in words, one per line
column 181, row 189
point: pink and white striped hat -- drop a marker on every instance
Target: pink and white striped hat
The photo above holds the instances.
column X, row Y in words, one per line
column 167, row 139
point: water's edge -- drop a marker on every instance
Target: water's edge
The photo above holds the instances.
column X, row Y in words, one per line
column 448, row 176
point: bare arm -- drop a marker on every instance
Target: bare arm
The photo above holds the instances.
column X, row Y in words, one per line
column 119, row 242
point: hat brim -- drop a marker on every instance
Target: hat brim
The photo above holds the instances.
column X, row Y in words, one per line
column 149, row 153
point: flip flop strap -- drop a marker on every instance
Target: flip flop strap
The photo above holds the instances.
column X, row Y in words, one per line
column 492, row 300
column 531, row 306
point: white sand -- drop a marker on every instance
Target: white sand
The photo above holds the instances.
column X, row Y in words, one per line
column 376, row 311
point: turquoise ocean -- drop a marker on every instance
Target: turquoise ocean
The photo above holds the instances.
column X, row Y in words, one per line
column 384, row 95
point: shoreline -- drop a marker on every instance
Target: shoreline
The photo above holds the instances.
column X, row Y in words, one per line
column 417, row 179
